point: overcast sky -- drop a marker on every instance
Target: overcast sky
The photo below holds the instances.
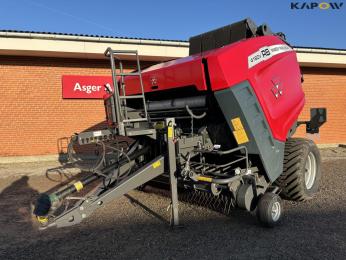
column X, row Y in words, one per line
column 175, row 19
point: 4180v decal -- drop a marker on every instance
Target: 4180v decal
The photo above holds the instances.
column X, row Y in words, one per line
column 266, row 53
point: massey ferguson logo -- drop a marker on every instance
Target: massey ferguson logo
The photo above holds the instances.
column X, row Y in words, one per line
column 316, row 5
column 277, row 90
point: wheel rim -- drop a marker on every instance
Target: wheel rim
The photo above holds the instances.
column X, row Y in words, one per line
column 276, row 211
column 310, row 171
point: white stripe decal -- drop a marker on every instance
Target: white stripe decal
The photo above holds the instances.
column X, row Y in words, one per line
column 266, row 53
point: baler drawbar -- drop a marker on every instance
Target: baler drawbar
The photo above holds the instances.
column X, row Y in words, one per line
column 215, row 125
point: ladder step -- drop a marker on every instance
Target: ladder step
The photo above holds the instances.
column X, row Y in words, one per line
column 135, row 120
column 129, row 74
column 141, row 110
column 139, row 131
column 133, row 96
column 123, row 51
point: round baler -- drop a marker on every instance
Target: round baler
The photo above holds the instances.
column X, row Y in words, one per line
column 218, row 123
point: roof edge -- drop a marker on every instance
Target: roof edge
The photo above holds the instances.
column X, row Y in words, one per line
column 131, row 40
column 90, row 38
column 319, row 50
column 92, row 47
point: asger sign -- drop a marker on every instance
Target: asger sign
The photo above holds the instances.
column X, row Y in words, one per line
column 85, row 86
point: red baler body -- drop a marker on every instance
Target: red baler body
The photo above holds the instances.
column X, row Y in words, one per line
column 228, row 66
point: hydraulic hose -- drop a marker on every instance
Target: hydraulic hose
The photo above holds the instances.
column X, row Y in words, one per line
column 193, row 115
column 72, row 159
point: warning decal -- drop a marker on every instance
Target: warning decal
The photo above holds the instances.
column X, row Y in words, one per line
column 156, row 164
column 239, row 131
column 266, row 53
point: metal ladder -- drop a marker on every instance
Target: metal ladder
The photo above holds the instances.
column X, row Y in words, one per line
column 121, row 109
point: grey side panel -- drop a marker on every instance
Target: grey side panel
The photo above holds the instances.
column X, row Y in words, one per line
column 241, row 101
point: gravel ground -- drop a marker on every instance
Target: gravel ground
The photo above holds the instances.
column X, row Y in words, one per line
column 315, row 229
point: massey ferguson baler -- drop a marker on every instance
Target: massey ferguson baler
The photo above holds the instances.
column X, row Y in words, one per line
column 217, row 124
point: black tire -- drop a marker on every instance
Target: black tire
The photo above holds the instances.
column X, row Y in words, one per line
column 299, row 152
column 269, row 209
